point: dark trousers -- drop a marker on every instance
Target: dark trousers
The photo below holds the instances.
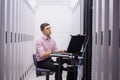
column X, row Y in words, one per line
column 72, row 75
column 49, row 64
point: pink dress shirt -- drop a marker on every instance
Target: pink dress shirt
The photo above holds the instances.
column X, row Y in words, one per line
column 43, row 45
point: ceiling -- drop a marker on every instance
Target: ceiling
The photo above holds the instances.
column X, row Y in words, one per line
column 53, row 2
column 37, row 3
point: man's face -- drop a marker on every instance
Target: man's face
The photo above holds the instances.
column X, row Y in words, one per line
column 47, row 30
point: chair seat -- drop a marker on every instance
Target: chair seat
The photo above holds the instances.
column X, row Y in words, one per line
column 40, row 71
column 43, row 70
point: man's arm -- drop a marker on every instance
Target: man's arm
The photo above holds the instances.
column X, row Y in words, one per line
column 46, row 54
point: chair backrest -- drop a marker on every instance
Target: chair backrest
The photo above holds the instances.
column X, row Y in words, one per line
column 34, row 59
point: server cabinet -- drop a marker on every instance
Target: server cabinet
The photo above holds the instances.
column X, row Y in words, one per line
column 119, row 48
column 107, row 36
column 12, row 40
column 20, row 36
column 114, row 47
column 119, row 40
column 0, row 25
column 8, row 42
column 21, row 75
column 0, row 44
column 94, row 59
column 11, row 35
column 105, row 39
column 16, row 41
column 1, row 53
column 98, row 36
column 15, row 38
column 6, row 75
column 4, row 37
column 0, row 14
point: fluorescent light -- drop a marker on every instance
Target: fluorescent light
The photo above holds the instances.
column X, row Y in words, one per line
column 32, row 3
column 74, row 3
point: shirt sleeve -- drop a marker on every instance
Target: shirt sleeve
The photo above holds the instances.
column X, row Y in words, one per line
column 40, row 49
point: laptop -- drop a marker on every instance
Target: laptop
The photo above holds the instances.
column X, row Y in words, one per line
column 74, row 47
column 76, row 44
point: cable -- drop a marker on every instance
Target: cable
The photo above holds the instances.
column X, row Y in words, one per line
column 80, row 60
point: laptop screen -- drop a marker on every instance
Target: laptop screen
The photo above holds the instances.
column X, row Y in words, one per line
column 75, row 44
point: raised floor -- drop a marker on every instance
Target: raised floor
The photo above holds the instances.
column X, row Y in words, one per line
column 32, row 76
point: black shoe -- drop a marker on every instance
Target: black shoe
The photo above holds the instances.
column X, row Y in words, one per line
column 38, row 73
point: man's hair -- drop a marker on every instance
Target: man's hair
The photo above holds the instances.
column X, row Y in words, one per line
column 43, row 25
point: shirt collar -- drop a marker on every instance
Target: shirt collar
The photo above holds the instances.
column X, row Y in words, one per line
column 45, row 37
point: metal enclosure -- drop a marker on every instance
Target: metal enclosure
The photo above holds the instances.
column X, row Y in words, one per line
column 106, row 51
column 16, row 39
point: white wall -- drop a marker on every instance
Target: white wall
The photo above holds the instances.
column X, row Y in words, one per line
column 64, row 22
column 76, row 21
column 61, row 20
column 78, row 18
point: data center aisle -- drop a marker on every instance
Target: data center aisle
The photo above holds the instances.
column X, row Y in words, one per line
column 32, row 76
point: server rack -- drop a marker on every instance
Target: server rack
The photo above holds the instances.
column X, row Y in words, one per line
column 88, row 31
column 109, row 40
column 119, row 40
column 105, row 39
column 114, row 50
column 14, row 39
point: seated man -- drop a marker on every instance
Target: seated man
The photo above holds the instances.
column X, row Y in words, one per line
column 44, row 47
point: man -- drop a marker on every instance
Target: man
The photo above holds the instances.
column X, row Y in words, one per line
column 44, row 47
